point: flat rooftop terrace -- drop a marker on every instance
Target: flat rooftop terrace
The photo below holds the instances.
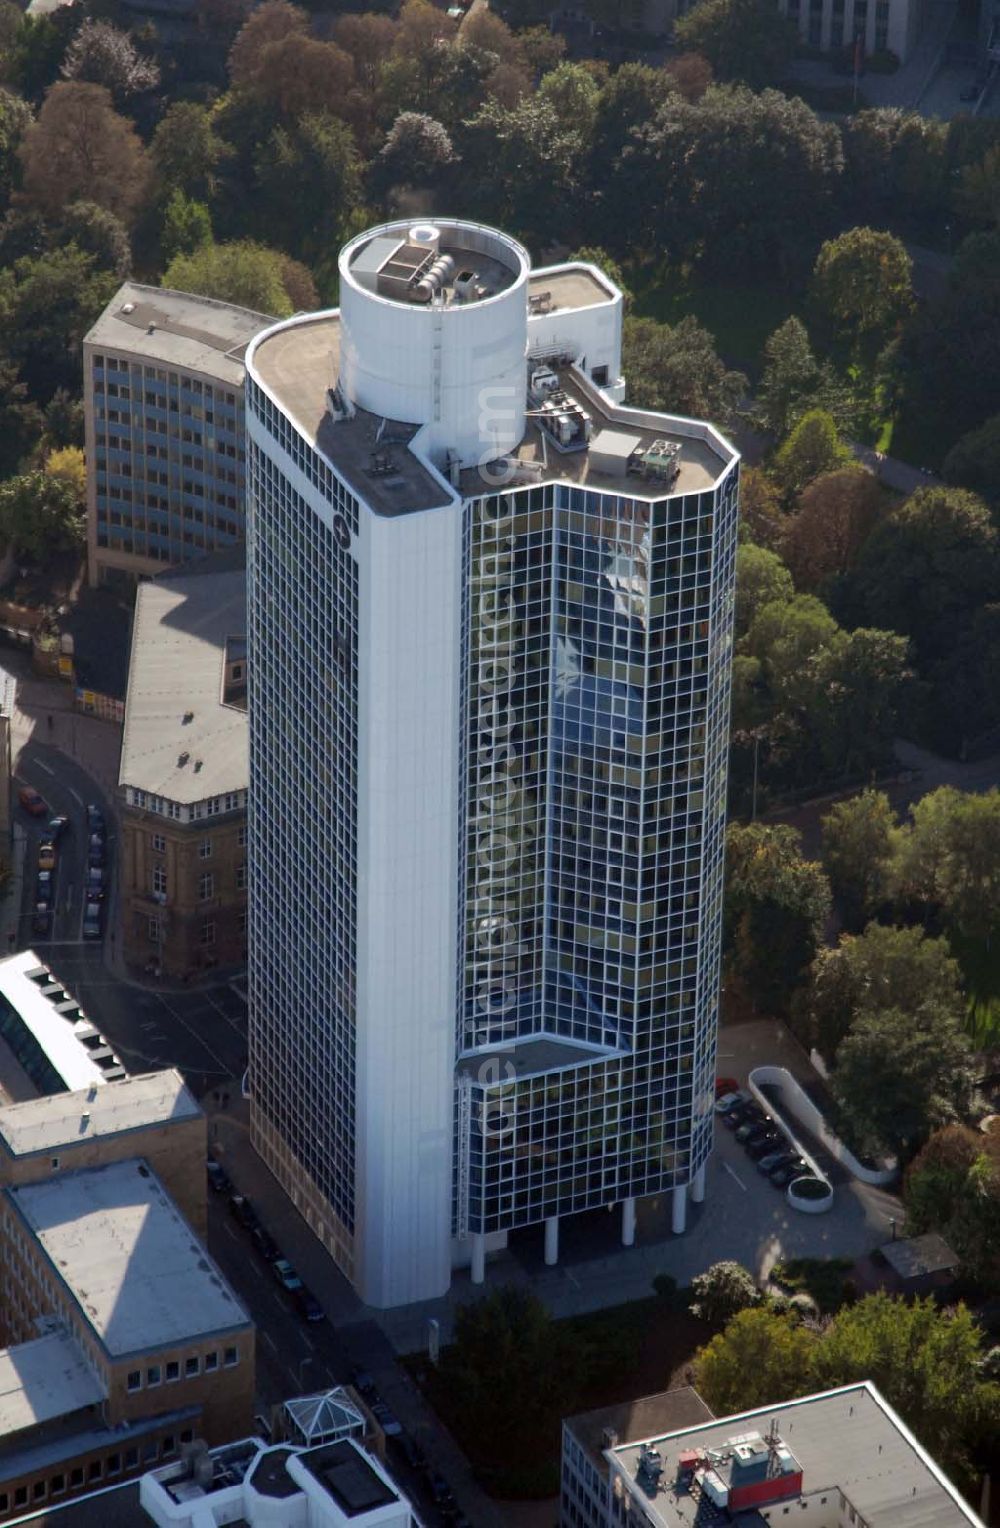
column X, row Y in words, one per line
column 566, row 286
column 847, row 1440
column 179, row 329
column 118, row 1243
column 299, row 365
column 63, row 1119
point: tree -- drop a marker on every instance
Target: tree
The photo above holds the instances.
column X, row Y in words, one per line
column 974, row 462
column 951, row 860
column 521, row 166
column 20, row 420
column 953, row 1186
column 787, row 636
column 895, row 158
column 368, row 39
column 691, row 75
column 46, row 308
column 574, row 94
column 761, row 577
column 790, row 376
column 416, row 152
column 900, row 1074
column 863, row 285
column 760, row 1355
column 676, row 369
column 861, row 684
column 41, row 513
column 748, row 40
column 271, row 22
column 15, row 119
column 811, row 449
column 187, row 152
column 64, row 421
column 881, row 969
column 927, row 563
column 319, row 152
column 102, row 55
column 859, row 852
column 925, row 1362
column 775, row 911
column 539, row 1361
column 722, row 1291
column 761, row 514
column 97, row 232
column 964, row 699
column 978, row 196
column 33, row 60
column 244, row 273
column 834, row 517
column 66, row 465
column 296, row 75
column 187, row 226
column 80, row 149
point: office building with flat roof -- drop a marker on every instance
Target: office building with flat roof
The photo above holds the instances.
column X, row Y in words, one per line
column 163, row 406
column 185, row 769
column 124, row 1340
column 490, row 641
column 47, row 1042
column 840, row 1459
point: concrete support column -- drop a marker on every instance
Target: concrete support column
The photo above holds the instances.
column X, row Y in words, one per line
column 628, row 1222
column 478, row 1257
column 679, row 1218
column 552, row 1241
column 698, row 1185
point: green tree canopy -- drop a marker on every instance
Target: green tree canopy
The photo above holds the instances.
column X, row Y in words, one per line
column 775, row 911
column 953, row 1186
column 761, row 579
column 15, row 119
column 900, row 1074
column 863, row 285
column 883, row 968
column 812, row 448
column 793, row 381
column 46, row 307
column 759, row 1355
column 676, row 368
column 723, row 1290
column 244, row 273
column 41, row 513
column 951, row 859
column 860, row 854
column 748, row 40
column 187, row 152
column 927, row 563
column 97, row 232
column 187, row 226
column 925, row 1362
column 974, row 462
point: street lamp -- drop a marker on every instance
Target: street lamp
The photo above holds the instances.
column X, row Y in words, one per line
column 308, row 1359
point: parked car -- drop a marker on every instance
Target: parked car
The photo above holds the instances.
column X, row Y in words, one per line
column 387, row 1420
column 776, row 1158
column 95, row 850
column 739, row 1115
column 95, row 820
column 768, row 1143
column 753, row 1128
column 265, row 1243
column 218, row 1178
column 41, row 921
column 307, row 1305
column 411, row 1452
column 782, row 1176
column 440, row 1489
column 242, row 1210
column 725, row 1085
column 729, row 1101
column 57, row 826
column 45, row 887
column 47, row 854
column 92, row 920
column 32, row 802
column 95, row 883
column 285, row 1274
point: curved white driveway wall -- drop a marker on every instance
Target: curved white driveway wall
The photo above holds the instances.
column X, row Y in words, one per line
column 801, row 1107
column 460, row 370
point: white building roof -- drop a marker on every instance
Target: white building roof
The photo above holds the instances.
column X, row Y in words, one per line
column 154, row 1098
column 176, row 671
column 56, row 1034
column 125, row 1253
column 43, row 1379
column 178, row 329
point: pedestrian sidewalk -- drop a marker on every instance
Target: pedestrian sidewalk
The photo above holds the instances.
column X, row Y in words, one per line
column 93, row 744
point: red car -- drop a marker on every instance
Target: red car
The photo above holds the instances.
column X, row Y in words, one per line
column 726, row 1085
column 32, row 801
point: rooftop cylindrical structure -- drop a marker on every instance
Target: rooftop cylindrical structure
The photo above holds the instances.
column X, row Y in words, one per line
column 434, row 325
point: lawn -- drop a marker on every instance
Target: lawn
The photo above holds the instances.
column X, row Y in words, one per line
column 631, row 1350
column 740, row 316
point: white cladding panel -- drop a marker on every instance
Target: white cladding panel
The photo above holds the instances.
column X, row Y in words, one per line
column 410, row 647
column 592, row 335
column 458, row 369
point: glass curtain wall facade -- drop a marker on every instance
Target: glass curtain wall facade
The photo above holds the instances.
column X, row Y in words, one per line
column 303, row 585
column 597, row 636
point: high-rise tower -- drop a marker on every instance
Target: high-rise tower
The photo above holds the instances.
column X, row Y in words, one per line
column 490, row 645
